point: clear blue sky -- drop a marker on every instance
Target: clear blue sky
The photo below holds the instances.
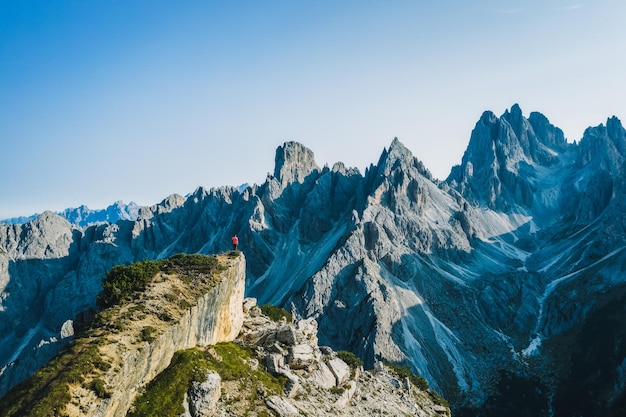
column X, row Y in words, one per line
column 135, row 100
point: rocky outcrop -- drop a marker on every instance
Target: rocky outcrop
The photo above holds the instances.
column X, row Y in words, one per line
column 319, row 382
column 216, row 317
column 132, row 343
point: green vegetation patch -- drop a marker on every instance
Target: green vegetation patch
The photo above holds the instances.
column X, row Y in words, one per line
column 404, row 372
column 47, row 392
column 147, row 334
column 123, row 282
column 99, row 387
column 276, row 313
column 164, row 396
column 191, row 264
column 418, row 381
column 350, row 358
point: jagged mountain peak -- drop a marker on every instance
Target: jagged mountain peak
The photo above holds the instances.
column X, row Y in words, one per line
column 48, row 236
column 603, row 146
column 550, row 135
column 488, row 117
column 84, row 216
column 166, row 205
column 500, row 161
column 514, row 116
column 399, row 158
column 293, row 163
column 614, row 127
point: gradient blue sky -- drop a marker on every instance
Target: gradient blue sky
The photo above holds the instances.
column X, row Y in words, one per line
column 135, row 100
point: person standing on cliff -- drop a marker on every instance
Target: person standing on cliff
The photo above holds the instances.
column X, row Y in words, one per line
column 235, row 241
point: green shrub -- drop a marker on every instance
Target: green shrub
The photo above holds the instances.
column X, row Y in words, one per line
column 350, row 358
column 147, row 334
column 122, row 281
column 276, row 313
column 337, row 390
column 419, row 382
column 97, row 385
column 164, row 395
column 404, row 372
column 170, row 297
column 190, row 264
column 438, row 399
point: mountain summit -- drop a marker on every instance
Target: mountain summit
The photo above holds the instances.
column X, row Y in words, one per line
column 500, row 164
column 485, row 284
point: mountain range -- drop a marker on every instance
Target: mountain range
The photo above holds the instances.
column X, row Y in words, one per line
column 502, row 285
column 84, row 216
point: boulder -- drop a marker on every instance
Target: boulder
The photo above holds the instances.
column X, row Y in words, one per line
column 346, row 396
column 281, row 407
column 287, row 335
column 340, row 370
column 274, row 363
column 203, row 396
column 301, row 356
column 323, row 376
column 248, row 303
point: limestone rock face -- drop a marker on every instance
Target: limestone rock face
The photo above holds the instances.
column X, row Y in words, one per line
column 294, row 163
column 203, row 396
column 281, row 407
column 217, row 317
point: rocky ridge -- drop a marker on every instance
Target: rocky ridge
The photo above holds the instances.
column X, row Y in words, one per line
column 105, row 367
column 319, row 382
column 83, row 216
column 488, row 271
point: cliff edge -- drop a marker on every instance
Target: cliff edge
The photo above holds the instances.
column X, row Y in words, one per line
column 190, row 300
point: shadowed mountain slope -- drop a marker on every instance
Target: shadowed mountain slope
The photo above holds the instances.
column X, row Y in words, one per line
column 468, row 281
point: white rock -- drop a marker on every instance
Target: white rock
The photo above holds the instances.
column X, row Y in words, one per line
column 287, row 335
column 301, row 356
column 281, row 406
column 248, row 303
column 203, row 396
column 340, row 370
column 322, row 376
column 67, row 329
column 346, row 396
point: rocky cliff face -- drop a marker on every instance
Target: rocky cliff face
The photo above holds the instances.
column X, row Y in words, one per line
column 132, row 342
column 468, row 281
column 499, row 167
column 216, row 317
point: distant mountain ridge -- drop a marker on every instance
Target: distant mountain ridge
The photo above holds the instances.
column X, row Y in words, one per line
column 83, row 216
column 484, row 283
